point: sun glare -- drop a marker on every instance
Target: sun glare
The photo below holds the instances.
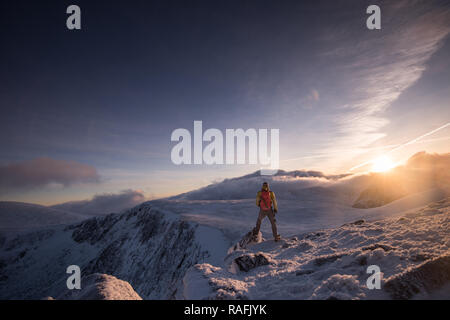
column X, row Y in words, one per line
column 382, row 164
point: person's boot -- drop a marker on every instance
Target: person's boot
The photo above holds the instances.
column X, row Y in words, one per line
column 277, row 237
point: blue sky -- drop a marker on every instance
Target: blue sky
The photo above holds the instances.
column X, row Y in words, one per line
column 108, row 96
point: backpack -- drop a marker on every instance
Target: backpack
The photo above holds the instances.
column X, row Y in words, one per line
column 266, row 201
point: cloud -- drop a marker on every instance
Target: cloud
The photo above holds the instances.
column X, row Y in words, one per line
column 423, row 171
column 428, row 170
column 42, row 172
column 288, row 185
column 104, row 203
column 376, row 67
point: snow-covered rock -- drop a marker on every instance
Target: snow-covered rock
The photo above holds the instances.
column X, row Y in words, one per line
column 248, row 262
column 101, row 287
column 249, row 239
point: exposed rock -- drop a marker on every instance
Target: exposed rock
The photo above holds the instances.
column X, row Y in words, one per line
column 249, row 239
column 303, row 272
column 328, row 258
column 375, row 246
column 250, row 261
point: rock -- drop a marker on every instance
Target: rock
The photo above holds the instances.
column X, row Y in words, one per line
column 101, row 287
column 355, row 223
column 250, row 261
column 303, row 272
column 375, row 246
column 328, row 259
column 248, row 239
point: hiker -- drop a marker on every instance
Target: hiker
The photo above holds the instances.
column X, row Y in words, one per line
column 264, row 200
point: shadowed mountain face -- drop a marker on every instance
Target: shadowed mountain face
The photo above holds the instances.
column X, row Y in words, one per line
column 144, row 247
column 383, row 190
column 18, row 216
column 422, row 172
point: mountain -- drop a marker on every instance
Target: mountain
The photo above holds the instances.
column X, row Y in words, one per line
column 192, row 245
column 163, row 256
column 19, row 216
column 149, row 249
column 422, row 172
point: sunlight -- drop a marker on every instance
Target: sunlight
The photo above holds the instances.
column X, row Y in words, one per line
column 382, row 164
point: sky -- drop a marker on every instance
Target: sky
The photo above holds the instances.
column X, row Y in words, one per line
column 91, row 111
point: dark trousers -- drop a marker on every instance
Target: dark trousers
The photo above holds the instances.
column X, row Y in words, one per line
column 271, row 215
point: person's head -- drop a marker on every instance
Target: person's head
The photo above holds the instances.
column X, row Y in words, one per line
column 265, row 186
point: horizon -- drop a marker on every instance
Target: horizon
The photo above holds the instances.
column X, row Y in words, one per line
column 90, row 112
column 137, row 197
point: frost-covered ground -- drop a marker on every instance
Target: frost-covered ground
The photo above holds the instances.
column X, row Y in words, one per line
column 236, row 217
column 412, row 251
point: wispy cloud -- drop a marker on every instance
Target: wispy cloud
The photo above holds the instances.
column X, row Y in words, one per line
column 104, row 203
column 381, row 66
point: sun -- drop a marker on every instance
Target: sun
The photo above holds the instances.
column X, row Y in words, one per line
column 382, row 164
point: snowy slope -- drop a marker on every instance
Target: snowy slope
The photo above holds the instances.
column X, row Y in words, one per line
column 18, row 216
column 149, row 249
column 236, row 217
column 412, row 251
column 163, row 256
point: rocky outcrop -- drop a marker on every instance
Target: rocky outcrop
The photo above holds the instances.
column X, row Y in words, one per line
column 101, row 287
column 247, row 240
column 248, row 262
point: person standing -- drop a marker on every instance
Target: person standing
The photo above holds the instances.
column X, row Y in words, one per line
column 267, row 203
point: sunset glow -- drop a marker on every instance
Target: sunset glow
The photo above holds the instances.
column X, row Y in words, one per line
column 382, row 164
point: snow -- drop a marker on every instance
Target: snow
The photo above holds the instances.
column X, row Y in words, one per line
column 17, row 216
column 235, row 217
column 214, row 242
column 101, row 287
column 332, row 263
column 184, row 247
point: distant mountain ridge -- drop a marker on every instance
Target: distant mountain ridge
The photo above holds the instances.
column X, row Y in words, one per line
column 23, row 216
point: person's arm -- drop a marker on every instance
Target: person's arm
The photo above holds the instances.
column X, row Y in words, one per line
column 274, row 200
column 258, row 198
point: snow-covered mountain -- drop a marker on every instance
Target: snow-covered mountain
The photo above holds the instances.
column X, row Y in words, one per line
column 185, row 246
column 163, row 256
column 145, row 247
column 19, row 216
